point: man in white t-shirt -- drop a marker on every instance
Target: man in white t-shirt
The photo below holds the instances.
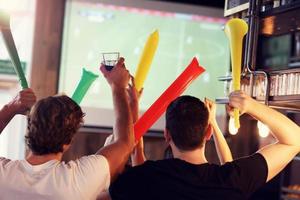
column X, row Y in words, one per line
column 52, row 124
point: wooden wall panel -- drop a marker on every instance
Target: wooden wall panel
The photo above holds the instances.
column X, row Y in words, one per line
column 47, row 46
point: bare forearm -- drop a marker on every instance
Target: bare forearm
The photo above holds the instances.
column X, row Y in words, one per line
column 138, row 157
column 222, row 147
column 6, row 114
column 135, row 113
column 286, row 131
column 123, row 123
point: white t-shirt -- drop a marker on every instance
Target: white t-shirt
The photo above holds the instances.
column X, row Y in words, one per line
column 83, row 178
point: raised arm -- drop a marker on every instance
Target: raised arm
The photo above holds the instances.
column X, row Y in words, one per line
column 221, row 145
column 19, row 105
column 282, row 128
column 118, row 152
column 137, row 156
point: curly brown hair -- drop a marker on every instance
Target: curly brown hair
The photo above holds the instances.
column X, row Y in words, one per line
column 53, row 121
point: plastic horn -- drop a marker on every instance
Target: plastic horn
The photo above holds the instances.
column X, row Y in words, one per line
column 146, row 60
column 11, row 48
column 235, row 30
column 192, row 71
column 83, row 86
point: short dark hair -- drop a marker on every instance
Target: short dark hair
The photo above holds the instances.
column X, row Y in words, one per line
column 52, row 122
column 187, row 121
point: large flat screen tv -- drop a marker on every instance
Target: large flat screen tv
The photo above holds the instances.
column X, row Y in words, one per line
column 94, row 27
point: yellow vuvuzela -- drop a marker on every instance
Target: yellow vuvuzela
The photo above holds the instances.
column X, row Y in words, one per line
column 146, row 60
column 235, row 30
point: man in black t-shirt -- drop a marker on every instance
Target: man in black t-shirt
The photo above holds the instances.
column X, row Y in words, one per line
column 189, row 175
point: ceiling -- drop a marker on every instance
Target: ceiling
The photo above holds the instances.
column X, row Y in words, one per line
column 210, row 3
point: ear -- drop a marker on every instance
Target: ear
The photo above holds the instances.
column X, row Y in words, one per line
column 209, row 132
column 167, row 136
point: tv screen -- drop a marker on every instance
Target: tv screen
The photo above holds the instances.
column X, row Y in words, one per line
column 93, row 27
column 274, row 52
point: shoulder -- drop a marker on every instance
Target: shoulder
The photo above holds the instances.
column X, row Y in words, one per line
column 164, row 162
column 91, row 173
column 246, row 173
column 92, row 164
column 152, row 165
column 255, row 163
column 88, row 161
column 148, row 170
column 140, row 171
column 256, row 160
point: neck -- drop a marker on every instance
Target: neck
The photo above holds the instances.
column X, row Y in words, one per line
column 196, row 156
column 40, row 159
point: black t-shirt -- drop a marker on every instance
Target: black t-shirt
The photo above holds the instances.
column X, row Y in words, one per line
column 176, row 179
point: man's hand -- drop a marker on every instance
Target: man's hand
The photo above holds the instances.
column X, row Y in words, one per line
column 22, row 102
column 19, row 105
column 211, row 107
column 118, row 77
column 241, row 101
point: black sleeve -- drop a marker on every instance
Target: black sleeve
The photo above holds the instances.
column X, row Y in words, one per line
column 247, row 174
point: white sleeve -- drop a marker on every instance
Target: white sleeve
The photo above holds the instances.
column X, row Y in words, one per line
column 93, row 175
